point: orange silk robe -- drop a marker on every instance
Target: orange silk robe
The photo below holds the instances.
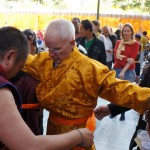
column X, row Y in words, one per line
column 70, row 91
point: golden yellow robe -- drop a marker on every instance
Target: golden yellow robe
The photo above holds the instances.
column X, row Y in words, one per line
column 70, row 91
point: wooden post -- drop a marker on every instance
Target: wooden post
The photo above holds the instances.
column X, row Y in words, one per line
column 98, row 7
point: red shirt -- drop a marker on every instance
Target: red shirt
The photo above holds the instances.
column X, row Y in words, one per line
column 131, row 51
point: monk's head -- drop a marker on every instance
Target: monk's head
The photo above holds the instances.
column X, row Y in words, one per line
column 60, row 39
column 14, row 50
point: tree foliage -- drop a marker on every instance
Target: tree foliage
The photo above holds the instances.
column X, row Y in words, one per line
column 147, row 5
column 38, row 1
column 59, row 4
column 143, row 5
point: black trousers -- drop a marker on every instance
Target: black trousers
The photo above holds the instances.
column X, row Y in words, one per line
column 109, row 65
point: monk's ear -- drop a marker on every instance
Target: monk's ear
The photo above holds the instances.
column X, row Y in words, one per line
column 10, row 57
column 73, row 42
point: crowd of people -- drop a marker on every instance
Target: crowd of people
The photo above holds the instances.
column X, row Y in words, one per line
column 64, row 71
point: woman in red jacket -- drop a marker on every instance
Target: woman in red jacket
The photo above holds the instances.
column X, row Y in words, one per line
column 125, row 53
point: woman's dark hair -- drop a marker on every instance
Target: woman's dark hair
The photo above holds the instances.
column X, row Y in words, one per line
column 96, row 23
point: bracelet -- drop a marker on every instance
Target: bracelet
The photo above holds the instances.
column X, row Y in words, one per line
column 81, row 137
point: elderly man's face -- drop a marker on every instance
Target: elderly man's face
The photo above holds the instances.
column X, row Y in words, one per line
column 58, row 49
column 105, row 32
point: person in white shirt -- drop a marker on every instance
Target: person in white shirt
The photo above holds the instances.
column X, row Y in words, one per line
column 110, row 41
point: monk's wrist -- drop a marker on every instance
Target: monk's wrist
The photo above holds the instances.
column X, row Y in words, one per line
column 81, row 135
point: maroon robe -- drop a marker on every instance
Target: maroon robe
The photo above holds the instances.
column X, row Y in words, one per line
column 5, row 83
column 26, row 86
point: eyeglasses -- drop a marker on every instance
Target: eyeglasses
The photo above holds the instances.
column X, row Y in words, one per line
column 56, row 51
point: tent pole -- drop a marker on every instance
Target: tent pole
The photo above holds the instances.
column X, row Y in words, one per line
column 98, row 7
